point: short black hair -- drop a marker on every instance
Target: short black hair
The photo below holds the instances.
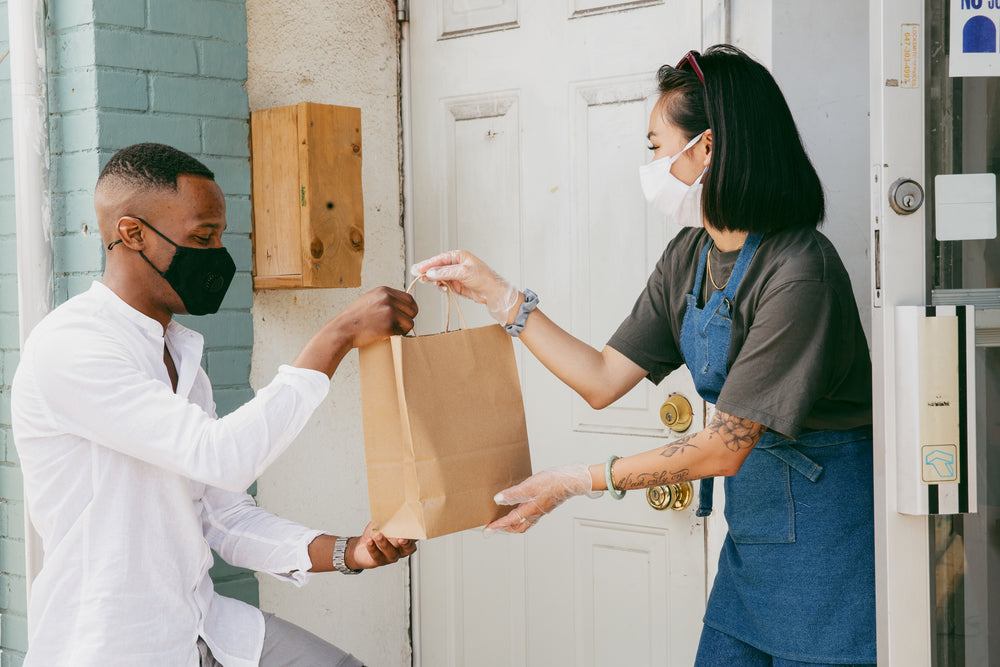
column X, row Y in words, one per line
column 759, row 178
column 150, row 165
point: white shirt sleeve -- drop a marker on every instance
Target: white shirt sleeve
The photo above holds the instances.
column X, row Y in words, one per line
column 93, row 387
column 245, row 535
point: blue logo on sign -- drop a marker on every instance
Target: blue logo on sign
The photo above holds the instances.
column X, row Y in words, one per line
column 979, row 35
column 941, row 461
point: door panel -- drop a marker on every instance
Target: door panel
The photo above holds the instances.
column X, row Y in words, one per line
column 528, row 129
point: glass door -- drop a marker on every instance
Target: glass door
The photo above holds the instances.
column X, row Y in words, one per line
column 962, row 146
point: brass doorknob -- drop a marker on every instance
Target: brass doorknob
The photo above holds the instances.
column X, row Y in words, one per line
column 676, row 413
column 671, row 496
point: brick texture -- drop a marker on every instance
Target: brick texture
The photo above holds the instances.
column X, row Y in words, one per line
column 13, row 605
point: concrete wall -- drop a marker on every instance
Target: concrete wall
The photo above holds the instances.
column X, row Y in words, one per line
column 342, row 53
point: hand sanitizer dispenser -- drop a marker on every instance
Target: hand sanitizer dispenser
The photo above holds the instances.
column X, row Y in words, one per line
column 935, row 409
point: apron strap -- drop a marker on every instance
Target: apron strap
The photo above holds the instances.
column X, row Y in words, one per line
column 797, row 460
column 705, row 488
column 786, row 453
column 749, row 249
column 696, row 289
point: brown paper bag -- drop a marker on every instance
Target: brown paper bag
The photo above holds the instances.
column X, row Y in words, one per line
column 444, row 430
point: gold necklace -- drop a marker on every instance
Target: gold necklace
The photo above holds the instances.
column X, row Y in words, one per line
column 723, row 285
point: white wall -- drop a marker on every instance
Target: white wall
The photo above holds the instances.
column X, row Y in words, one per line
column 333, row 53
column 818, row 53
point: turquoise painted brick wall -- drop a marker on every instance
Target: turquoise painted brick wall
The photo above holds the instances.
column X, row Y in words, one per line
column 122, row 72
column 13, row 612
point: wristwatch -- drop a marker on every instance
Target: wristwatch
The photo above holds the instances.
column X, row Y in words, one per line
column 339, row 564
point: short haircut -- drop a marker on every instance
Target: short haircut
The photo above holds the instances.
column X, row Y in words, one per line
column 153, row 166
column 759, row 178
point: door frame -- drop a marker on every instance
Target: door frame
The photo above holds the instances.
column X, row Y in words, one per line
column 902, row 555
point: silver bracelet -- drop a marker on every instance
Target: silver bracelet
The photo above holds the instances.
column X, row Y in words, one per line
column 530, row 303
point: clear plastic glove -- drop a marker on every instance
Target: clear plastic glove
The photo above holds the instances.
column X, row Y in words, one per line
column 469, row 276
column 540, row 494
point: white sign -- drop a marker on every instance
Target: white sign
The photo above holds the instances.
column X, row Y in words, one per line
column 965, row 207
column 973, row 48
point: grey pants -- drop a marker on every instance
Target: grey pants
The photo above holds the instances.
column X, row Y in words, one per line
column 288, row 645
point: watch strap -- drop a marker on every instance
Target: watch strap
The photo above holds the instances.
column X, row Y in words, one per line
column 339, row 550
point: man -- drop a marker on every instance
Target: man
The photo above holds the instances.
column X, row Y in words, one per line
column 130, row 475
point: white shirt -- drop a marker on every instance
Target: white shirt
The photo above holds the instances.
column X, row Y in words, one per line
column 129, row 484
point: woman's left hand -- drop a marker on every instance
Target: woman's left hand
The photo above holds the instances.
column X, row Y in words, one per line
column 540, row 494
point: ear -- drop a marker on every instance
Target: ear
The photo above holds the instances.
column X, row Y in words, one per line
column 130, row 232
column 706, row 141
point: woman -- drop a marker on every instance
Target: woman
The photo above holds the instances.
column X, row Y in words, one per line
column 758, row 306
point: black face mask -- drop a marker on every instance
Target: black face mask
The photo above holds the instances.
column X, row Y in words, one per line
column 199, row 276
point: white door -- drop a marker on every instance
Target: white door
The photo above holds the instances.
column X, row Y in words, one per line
column 938, row 577
column 528, row 128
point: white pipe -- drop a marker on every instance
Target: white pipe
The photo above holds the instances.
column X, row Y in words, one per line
column 409, row 259
column 407, row 145
column 32, row 207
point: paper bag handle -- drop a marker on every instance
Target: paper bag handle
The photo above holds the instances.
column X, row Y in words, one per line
column 451, row 295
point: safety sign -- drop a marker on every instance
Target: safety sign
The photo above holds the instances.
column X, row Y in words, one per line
column 973, row 49
column 939, row 463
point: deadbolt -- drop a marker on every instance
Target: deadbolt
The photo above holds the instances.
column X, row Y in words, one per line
column 905, row 196
column 671, row 496
column 676, row 414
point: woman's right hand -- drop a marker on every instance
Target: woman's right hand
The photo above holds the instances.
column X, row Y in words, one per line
column 469, row 276
column 540, row 494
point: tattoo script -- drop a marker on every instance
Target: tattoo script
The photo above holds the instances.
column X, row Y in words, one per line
column 735, row 433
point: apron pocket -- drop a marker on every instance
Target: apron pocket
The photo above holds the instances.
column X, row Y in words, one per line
column 759, row 505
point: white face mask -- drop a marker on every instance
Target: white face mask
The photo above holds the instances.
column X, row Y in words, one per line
column 670, row 195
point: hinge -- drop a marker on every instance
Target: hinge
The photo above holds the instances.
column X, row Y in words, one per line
column 402, row 11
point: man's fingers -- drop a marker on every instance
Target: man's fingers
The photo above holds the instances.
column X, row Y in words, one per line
column 404, row 302
column 387, row 550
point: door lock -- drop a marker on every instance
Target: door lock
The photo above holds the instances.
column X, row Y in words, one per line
column 905, row 196
column 670, row 496
column 676, row 413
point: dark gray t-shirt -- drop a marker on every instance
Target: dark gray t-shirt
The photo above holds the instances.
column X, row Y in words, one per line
column 798, row 359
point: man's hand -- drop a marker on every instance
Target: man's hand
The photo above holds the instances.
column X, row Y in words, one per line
column 378, row 314
column 374, row 549
column 381, row 313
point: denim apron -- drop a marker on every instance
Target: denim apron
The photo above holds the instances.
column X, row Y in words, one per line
column 796, row 575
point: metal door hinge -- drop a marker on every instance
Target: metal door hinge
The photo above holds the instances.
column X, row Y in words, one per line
column 402, row 11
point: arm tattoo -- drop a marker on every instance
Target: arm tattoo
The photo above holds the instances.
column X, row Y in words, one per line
column 644, row 480
column 678, row 447
column 736, row 433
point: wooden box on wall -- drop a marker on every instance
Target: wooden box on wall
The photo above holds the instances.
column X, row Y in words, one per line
column 308, row 212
